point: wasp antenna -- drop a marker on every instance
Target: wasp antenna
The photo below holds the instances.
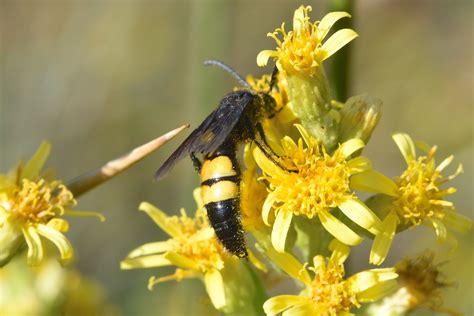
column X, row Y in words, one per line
column 240, row 79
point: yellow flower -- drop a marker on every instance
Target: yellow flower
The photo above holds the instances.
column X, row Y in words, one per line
column 328, row 293
column 420, row 283
column 303, row 50
column 319, row 182
column 196, row 251
column 416, row 197
column 30, row 207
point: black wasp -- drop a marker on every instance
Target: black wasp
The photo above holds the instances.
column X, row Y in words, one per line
column 236, row 120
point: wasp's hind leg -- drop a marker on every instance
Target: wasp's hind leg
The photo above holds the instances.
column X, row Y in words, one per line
column 268, row 151
column 196, row 162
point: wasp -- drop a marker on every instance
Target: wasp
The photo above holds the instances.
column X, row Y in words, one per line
column 236, row 120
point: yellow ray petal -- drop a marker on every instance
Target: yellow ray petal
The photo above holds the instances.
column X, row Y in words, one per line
column 351, row 146
column 160, row 218
column 446, row 162
column 340, row 251
column 267, row 206
column 457, row 221
column 289, row 264
column 78, row 213
column 35, row 247
column 180, row 260
column 305, row 309
column 278, row 304
column 366, row 279
column 360, row 214
column 440, row 229
column 280, row 229
column 266, row 164
column 59, row 224
column 337, row 41
column 377, row 291
column 338, row 229
column 406, row 146
column 263, row 56
column 149, row 249
column 215, row 288
column 359, row 164
column 328, row 21
column 152, row 261
column 34, row 165
column 383, row 240
column 59, row 240
column 304, row 133
column 373, row 181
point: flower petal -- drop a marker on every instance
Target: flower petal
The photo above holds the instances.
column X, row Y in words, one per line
column 366, row 279
column 263, row 56
column 289, row 264
column 280, row 229
column 149, row 249
column 446, row 162
column 328, row 21
column 383, row 240
column 215, row 288
column 278, row 304
column 266, row 164
column 62, row 243
column 59, row 224
column 377, row 291
column 180, row 260
column 34, row 165
column 152, row 261
column 457, row 221
column 440, row 229
column 338, row 229
column 35, row 247
column 359, row 164
column 406, row 146
column 360, row 214
column 373, row 181
column 340, row 251
column 304, row 133
column 267, row 206
column 160, row 218
column 351, row 146
column 305, row 309
column 78, row 213
column 337, row 41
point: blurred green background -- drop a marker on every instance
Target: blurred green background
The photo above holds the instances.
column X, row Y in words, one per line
column 97, row 78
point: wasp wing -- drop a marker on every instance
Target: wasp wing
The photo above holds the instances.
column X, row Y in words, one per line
column 212, row 132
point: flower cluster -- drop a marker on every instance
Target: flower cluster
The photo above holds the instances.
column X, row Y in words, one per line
column 303, row 200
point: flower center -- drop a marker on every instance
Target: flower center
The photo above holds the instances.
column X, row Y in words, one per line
column 418, row 192
column 321, row 183
column 40, row 201
column 329, row 292
column 198, row 242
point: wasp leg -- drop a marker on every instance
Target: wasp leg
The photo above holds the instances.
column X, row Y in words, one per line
column 267, row 150
column 196, row 162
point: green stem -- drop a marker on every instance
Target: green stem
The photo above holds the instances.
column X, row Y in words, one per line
column 340, row 66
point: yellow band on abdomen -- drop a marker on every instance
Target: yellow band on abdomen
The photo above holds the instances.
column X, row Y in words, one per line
column 220, row 191
column 218, row 167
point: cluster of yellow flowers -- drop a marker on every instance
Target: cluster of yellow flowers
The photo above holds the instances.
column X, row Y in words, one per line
column 314, row 207
column 309, row 209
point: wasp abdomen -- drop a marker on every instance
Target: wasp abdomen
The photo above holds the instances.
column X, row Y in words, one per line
column 220, row 179
column 224, row 218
